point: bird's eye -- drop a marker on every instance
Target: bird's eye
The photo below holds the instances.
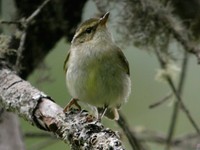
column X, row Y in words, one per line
column 88, row 30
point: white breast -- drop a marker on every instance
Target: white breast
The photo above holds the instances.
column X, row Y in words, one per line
column 95, row 76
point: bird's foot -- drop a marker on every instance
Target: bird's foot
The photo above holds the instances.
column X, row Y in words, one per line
column 101, row 113
column 73, row 101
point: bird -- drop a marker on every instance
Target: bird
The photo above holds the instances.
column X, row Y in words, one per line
column 97, row 71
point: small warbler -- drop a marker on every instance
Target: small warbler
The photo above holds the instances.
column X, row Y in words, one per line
column 97, row 71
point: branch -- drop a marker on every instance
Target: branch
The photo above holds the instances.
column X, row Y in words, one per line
column 176, row 104
column 25, row 24
column 22, row 29
column 176, row 93
column 78, row 128
column 46, row 26
column 147, row 22
column 134, row 142
column 185, row 142
column 161, row 101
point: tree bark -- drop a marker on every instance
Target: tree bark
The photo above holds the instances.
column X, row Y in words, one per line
column 82, row 130
column 57, row 20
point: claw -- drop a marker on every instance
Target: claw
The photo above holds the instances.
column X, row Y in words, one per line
column 101, row 113
column 73, row 101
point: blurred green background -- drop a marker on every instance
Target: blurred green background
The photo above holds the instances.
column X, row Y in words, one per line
column 50, row 78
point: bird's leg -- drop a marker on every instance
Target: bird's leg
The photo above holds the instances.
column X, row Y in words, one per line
column 101, row 112
column 73, row 101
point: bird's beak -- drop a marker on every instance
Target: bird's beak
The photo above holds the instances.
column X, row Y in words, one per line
column 103, row 20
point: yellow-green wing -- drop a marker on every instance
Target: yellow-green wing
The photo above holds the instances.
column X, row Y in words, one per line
column 65, row 66
column 124, row 61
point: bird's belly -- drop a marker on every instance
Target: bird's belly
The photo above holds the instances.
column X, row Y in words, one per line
column 98, row 85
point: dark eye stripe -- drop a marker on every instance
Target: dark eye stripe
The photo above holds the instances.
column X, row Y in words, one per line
column 88, row 30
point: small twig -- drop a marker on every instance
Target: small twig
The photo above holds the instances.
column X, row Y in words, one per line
column 37, row 11
column 184, row 141
column 164, row 99
column 176, row 104
column 20, row 50
column 179, row 99
column 25, row 23
column 134, row 142
column 10, row 22
column 183, row 107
